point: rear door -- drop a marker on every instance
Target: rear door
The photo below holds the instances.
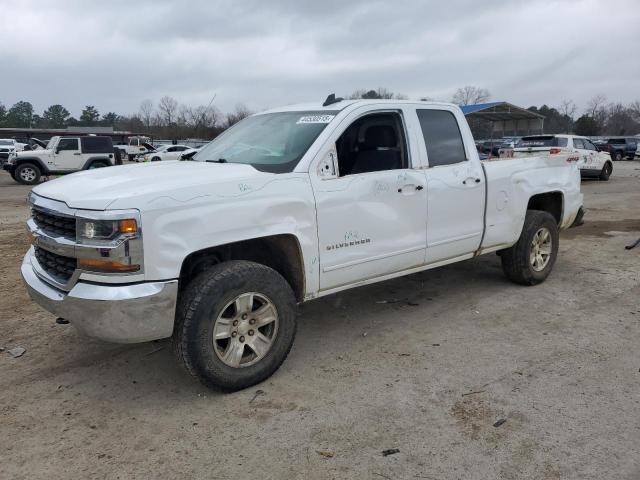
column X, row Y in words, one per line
column 455, row 187
column 68, row 155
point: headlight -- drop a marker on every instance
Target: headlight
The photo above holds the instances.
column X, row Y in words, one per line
column 110, row 242
column 97, row 230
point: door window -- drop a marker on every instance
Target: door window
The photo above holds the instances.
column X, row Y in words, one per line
column 68, row 144
column 577, row 143
column 373, row 143
column 588, row 145
column 442, row 137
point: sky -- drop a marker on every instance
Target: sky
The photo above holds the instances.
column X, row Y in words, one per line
column 115, row 53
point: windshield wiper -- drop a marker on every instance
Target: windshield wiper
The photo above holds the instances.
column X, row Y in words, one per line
column 220, row 160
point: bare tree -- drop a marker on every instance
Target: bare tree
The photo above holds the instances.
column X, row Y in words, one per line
column 470, row 95
column 234, row 117
column 597, row 109
column 146, row 112
column 379, row 93
column 168, row 107
column 568, row 111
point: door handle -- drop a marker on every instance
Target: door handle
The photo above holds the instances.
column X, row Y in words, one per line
column 417, row 187
column 77, row 153
column 476, row 180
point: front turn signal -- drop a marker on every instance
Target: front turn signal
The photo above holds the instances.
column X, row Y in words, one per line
column 106, row 266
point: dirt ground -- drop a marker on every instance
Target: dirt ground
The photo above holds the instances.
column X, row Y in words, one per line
column 433, row 372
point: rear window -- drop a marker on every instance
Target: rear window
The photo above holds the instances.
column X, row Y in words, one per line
column 542, row 141
column 97, row 145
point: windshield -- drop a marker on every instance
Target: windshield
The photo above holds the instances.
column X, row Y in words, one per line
column 52, row 142
column 272, row 142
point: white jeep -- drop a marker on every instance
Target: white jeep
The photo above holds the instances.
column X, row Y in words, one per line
column 62, row 155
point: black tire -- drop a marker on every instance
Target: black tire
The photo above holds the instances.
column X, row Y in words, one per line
column 27, row 174
column 607, row 169
column 98, row 164
column 516, row 261
column 155, row 159
column 617, row 156
column 206, row 298
column 131, row 158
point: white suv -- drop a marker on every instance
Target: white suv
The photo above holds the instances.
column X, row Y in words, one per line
column 62, row 155
column 591, row 162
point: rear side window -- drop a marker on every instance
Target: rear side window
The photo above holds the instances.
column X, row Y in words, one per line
column 68, row 144
column 97, row 145
column 542, row 141
column 442, row 137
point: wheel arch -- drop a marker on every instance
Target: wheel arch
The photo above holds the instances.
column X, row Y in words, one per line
column 282, row 252
column 43, row 167
column 551, row 202
column 93, row 160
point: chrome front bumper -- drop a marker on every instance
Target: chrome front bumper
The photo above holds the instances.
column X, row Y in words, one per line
column 130, row 313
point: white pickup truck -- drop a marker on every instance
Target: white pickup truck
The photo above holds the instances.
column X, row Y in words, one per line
column 286, row 206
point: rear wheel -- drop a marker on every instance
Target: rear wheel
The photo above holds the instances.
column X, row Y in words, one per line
column 617, row 156
column 531, row 259
column 235, row 325
column 606, row 171
column 99, row 164
column 27, row 174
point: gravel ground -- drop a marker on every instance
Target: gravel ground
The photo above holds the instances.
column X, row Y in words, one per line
column 467, row 375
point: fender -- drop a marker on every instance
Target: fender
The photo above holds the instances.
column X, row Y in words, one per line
column 43, row 167
column 101, row 158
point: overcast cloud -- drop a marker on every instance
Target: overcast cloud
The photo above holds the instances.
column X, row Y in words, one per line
column 113, row 54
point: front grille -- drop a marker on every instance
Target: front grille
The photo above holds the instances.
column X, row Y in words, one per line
column 54, row 264
column 56, row 225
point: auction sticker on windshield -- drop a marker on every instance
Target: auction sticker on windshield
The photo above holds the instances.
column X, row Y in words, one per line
column 316, row 119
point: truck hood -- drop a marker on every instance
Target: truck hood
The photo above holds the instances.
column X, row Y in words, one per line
column 135, row 186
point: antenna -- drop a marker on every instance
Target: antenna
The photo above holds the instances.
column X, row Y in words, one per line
column 331, row 99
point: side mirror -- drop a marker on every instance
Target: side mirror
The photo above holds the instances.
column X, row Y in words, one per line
column 328, row 164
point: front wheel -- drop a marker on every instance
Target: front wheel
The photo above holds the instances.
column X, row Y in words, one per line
column 531, row 259
column 97, row 165
column 27, row 174
column 235, row 325
column 606, row 171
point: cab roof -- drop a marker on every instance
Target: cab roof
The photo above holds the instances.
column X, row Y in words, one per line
column 341, row 105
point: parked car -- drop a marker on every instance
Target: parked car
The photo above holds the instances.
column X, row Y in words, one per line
column 189, row 153
column 621, row 147
column 165, row 152
column 590, row 161
column 62, row 155
column 9, row 146
column 135, row 146
column 286, row 206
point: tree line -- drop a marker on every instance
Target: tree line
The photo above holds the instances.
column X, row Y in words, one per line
column 166, row 119
column 169, row 119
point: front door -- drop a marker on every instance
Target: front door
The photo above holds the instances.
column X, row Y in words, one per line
column 68, row 156
column 371, row 218
column 455, row 187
